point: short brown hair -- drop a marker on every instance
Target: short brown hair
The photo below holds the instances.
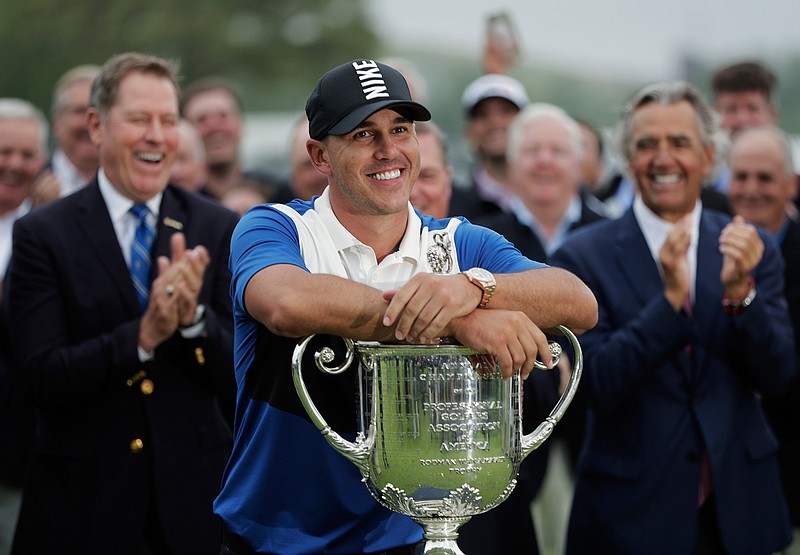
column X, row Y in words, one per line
column 744, row 77
column 206, row 84
column 87, row 72
column 106, row 84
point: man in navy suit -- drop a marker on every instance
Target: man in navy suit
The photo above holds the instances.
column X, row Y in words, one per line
column 130, row 388
column 762, row 188
column 544, row 154
column 693, row 329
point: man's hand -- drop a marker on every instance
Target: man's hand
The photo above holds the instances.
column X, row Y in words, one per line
column 675, row 263
column 46, row 188
column 189, row 267
column 173, row 294
column 513, row 339
column 425, row 305
column 501, row 49
column 741, row 249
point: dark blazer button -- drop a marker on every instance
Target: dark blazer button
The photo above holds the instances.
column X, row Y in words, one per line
column 136, row 446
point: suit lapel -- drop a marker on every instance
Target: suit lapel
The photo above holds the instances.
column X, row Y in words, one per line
column 95, row 223
column 634, row 259
column 642, row 273
column 172, row 218
column 708, row 288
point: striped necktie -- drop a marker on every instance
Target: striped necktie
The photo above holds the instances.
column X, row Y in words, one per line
column 140, row 254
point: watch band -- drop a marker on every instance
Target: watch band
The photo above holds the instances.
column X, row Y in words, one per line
column 484, row 280
column 734, row 307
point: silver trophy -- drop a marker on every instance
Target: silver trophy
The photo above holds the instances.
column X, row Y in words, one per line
column 440, row 431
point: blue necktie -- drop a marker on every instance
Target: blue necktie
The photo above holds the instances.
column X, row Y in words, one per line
column 140, row 254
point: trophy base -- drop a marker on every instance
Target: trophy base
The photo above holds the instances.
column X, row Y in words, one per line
column 440, row 535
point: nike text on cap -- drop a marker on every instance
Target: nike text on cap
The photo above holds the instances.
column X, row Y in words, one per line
column 350, row 93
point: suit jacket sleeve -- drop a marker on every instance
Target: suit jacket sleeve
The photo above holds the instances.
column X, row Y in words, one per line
column 75, row 335
column 60, row 369
column 209, row 356
column 635, row 339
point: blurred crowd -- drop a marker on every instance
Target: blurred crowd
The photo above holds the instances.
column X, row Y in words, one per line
column 540, row 176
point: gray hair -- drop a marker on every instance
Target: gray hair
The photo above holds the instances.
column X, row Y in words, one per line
column 18, row 109
column 77, row 74
column 536, row 112
column 666, row 94
column 780, row 135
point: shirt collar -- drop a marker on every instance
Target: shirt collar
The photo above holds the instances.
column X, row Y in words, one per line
column 491, row 189
column 571, row 216
column 655, row 230
column 781, row 235
column 118, row 204
column 19, row 211
column 343, row 239
column 409, row 244
column 68, row 175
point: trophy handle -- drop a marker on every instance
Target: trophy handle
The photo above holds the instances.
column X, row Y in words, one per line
column 534, row 439
column 356, row 452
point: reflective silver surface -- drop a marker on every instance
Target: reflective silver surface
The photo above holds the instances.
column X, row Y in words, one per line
column 440, row 430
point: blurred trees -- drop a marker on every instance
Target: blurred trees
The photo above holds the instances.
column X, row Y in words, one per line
column 274, row 51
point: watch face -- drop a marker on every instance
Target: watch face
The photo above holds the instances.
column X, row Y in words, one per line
column 481, row 274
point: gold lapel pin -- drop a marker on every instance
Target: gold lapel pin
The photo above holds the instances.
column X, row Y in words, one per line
column 174, row 224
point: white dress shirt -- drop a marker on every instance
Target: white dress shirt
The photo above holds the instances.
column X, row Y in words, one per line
column 656, row 229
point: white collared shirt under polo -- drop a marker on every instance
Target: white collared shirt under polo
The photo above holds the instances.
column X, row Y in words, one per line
column 328, row 248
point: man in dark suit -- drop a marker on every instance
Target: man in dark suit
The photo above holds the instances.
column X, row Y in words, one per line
column 763, row 186
column 490, row 103
column 544, row 154
column 544, row 169
column 23, row 151
column 693, row 329
column 129, row 382
column 74, row 160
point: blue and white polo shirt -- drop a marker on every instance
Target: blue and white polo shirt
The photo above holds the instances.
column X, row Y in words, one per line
column 285, row 490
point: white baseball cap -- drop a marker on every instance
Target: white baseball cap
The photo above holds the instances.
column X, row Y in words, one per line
column 494, row 85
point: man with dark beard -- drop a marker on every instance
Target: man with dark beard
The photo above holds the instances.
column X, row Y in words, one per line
column 490, row 102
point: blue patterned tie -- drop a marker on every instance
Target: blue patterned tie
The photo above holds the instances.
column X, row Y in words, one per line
column 140, row 254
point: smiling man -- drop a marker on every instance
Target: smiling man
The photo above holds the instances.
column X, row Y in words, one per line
column 75, row 160
column 23, row 149
column 490, row 103
column 544, row 155
column 214, row 107
column 693, row 328
column 125, row 337
column 763, row 183
column 763, row 186
column 744, row 96
column 359, row 262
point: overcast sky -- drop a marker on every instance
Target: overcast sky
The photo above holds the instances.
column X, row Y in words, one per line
column 643, row 39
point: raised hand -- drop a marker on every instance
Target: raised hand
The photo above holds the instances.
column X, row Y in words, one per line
column 174, row 293
column 675, row 263
column 741, row 249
